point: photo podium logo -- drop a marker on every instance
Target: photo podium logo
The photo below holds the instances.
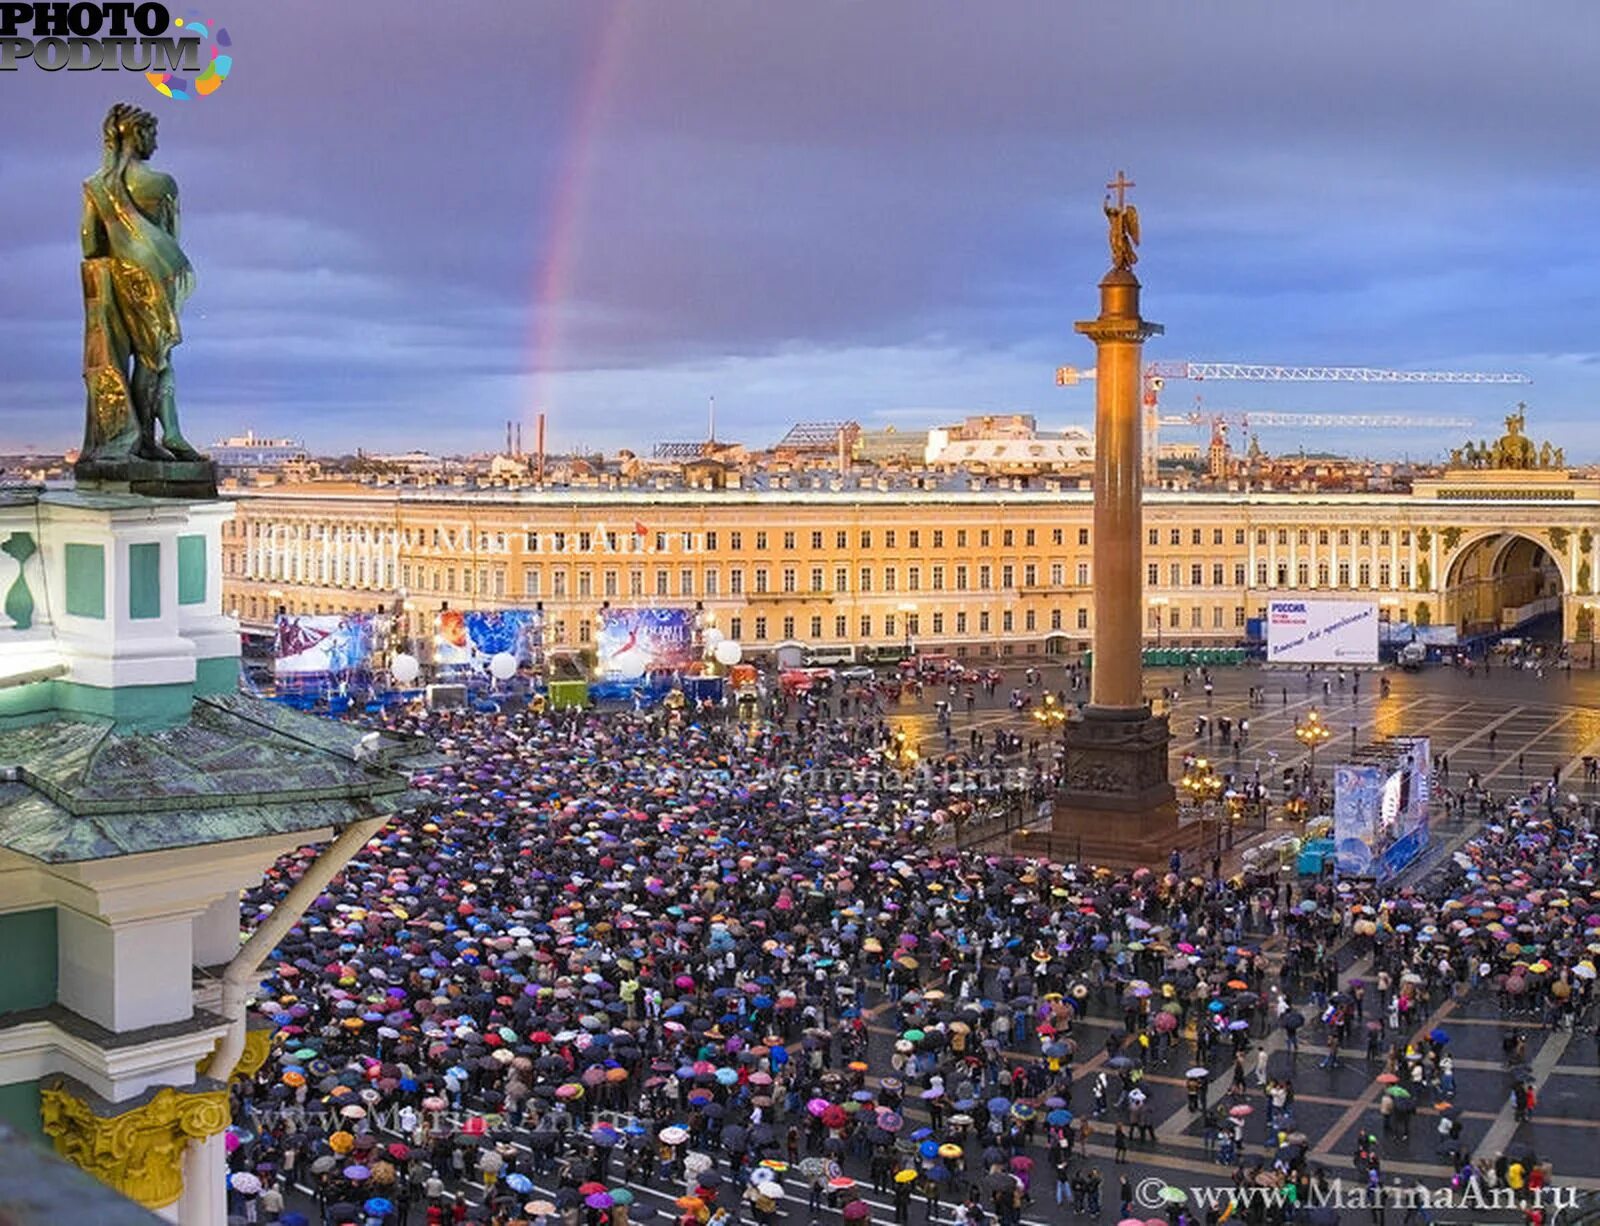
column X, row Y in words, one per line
column 182, row 57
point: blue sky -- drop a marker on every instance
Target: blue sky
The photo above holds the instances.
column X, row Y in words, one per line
column 412, row 221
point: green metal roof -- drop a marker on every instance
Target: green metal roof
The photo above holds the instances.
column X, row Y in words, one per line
column 78, row 788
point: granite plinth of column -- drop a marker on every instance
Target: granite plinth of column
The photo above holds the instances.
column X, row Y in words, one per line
column 1116, row 806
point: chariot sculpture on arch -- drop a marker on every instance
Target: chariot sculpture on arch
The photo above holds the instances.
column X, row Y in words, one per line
column 135, row 282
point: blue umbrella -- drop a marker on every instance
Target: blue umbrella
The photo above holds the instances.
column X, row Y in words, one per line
column 378, row 1206
column 999, row 1106
column 519, row 1183
column 1058, row 1118
column 929, row 1149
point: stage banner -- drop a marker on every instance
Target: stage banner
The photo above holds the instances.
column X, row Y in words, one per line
column 633, row 642
column 466, row 640
column 323, row 645
column 1357, row 793
column 1305, row 631
column 1403, row 812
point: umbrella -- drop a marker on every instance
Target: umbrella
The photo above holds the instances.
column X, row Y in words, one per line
column 1172, row 1195
column 599, row 1200
column 519, row 1183
column 856, row 1211
column 245, row 1183
column 378, row 1206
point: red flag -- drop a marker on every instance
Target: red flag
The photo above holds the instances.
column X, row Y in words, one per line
column 639, row 529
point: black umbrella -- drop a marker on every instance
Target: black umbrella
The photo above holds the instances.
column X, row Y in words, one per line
column 1292, row 1020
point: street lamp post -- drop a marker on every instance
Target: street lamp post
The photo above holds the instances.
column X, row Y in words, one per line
column 1202, row 785
column 907, row 612
column 1311, row 733
column 1159, row 604
column 1590, row 607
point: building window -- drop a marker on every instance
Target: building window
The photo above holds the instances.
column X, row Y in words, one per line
column 866, row 538
column 788, row 627
column 1007, row 577
column 1197, row 574
column 761, row 629
column 1238, row 615
column 736, row 540
column 1344, row 574
column 1216, row 574
column 1238, row 574
column 816, row 578
column 983, row 538
column 985, row 579
column 608, row 583
column 866, row 625
column 1152, row 574
column 711, row 583
column 1028, row 620
column 961, row 621
column 983, row 621
column 816, row 627
column 1006, row 621
column 1154, row 536
column 938, row 623
column 1197, row 617
column 585, row 582
column 761, row 542
column 914, row 539
column 841, row 539
column 711, row 542
column 1175, row 574
column 938, row 538
column 1058, row 574
column 1030, row 575
column 1194, row 536
column 1364, row 574
column 1216, row 536
column 913, row 578
column 1261, row 536
column 788, row 540
column 890, row 579
column 530, row 582
column 816, row 540
column 961, row 538
column 1322, row 574
column 789, row 579
column 584, row 630
column 1283, row 574
column 1303, row 538
column 1366, row 537
column 736, row 627
column 936, row 579
column 1344, row 536
column 961, row 578
column 686, row 581
column 761, row 580
column 1083, row 536
column 888, row 625
column 1083, row 574
column 913, row 624
column 736, row 582
column 1055, row 619
column 841, row 626
column 1405, row 575
column 1175, row 536
column 1216, row 617
column 1007, row 538
column 841, row 578
column 1383, row 574
column 864, row 579
column 1302, row 574
column 1383, row 536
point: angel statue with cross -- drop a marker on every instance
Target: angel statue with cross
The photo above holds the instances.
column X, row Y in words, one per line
column 1124, row 222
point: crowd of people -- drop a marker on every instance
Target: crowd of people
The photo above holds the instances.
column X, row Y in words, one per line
column 720, row 961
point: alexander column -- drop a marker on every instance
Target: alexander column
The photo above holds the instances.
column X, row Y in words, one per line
column 1116, row 756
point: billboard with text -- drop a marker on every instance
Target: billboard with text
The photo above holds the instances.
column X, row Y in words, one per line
column 632, row 642
column 329, row 644
column 1301, row 630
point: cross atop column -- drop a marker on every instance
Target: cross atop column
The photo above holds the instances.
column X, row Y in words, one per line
column 1120, row 185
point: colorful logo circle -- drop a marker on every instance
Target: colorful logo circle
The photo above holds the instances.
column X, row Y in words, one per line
column 213, row 41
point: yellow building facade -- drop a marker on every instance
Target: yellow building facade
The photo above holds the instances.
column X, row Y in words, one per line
column 981, row 571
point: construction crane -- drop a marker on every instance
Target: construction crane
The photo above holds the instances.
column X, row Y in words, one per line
column 1157, row 373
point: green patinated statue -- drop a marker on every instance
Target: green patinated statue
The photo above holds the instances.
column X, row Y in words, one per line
column 135, row 281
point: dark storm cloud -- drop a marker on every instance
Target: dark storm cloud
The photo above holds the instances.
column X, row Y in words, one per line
column 410, row 216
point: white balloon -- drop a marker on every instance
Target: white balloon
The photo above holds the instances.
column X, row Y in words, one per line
column 502, row 665
column 629, row 665
column 405, row 668
column 729, row 652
